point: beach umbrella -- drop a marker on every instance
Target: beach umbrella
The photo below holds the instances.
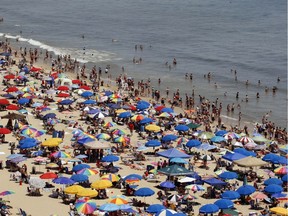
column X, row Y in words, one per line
column 206, row 135
column 141, row 148
column 285, row 178
column 23, row 101
column 224, row 204
column 73, row 189
column 28, row 145
column 174, row 198
column 53, row 121
column 79, row 167
column 5, row 193
column 4, row 101
column 146, row 121
column 153, row 128
column 11, row 156
column 193, row 143
column 279, row 211
column 52, row 166
column 245, row 152
column 118, row 201
column 231, row 135
column 281, row 170
column 63, row 180
column 9, row 76
column 111, row 177
column 231, row 195
column 88, row 172
column 144, row 192
column 155, row 208
column 182, row 127
column 12, row 107
column 153, row 143
column 110, row 158
column 273, row 188
column 195, row 187
column 79, row 178
column 103, row 136
column 121, row 139
column 186, row 179
column 12, row 89
column 246, row 190
column 66, row 102
column 251, row 145
column 273, row 181
column 36, row 182
column 259, row 195
column 52, row 142
column 14, row 116
column 5, row 131
column 109, row 207
column 89, row 102
column 125, row 115
column 178, row 160
column 172, row 153
column 63, row 88
column 167, row 109
column 64, row 95
column 280, row 196
column 209, row 209
column 49, row 115
column 109, row 124
column 60, row 154
column 228, row 175
column 166, row 212
column 132, row 177
column 167, row 184
column 137, row 117
column 49, row 175
column 169, row 137
column 142, row 106
column 221, row 133
column 87, row 94
column 85, row 207
column 206, row 157
column 181, row 140
column 101, row 184
column 119, row 132
column 87, row 192
column 217, row 139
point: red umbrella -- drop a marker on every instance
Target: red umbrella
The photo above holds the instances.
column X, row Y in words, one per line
column 12, row 89
column 9, row 76
column 12, row 107
column 49, row 175
column 159, row 108
column 76, row 81
column 63, row 95
column 85, row 87
column 4, row 131
column 4, row 101
column 55, row 75
column 63, row 88
column 34, row 69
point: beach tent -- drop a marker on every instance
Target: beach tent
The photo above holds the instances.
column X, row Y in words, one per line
column 172, row 153
column 214, row 182
column 233, row 156
column 250, row 162
column 175, row 170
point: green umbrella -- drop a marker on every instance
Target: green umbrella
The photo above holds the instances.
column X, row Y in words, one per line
column 193, row 125
column 175, row 170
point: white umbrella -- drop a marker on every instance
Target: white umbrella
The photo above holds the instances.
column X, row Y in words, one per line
column 238, row 144
column 186, row 179
column 36, row 182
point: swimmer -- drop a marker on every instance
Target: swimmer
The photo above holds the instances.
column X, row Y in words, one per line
column 225, row 94
column 278, row 79
column 237, row 95
column 159, row 81
column 191, row 76
column 257, row 95
column 186, row 76
column 259, row 82
column 247, row 82
column 215, row 85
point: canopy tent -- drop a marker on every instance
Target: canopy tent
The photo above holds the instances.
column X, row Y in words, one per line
column 175, row 170
column 214, row 182
column 250, row 162
column 172, row 153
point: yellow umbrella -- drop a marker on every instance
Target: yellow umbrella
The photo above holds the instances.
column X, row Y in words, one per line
column 111, row 177
column 279, row 211
column 52, row 165
column 153, row 128
column 120, row 111
column 52, row 142
column 101, row 184
column 74, row 189
column 87, row 192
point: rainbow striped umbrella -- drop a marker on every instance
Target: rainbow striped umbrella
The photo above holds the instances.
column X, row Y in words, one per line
column 281, row 170
column 121, row 139
column 119, row 132
column 53, row 121
column 28, row 130
column 111, row 177
column 181, row 140
column 138, row 117
column 103, row 136
column 109, row 124
column 28, row 95
column 38, row 133
column 118, row 201
column 61, row 154
column 87, row 171
column 85, row 207
column 5, row 193
column 28, row 89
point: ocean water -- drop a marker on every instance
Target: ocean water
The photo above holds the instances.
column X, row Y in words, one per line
column 204, row 36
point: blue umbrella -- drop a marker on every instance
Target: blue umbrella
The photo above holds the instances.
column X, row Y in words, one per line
column 14, row 156
column 228, row 175
column 167, row 184
column 28, row 145
column 125, row 115
column 193, row 143
column 109, row 207
column 5, row 54
column 81, row 156
column 125, row 207
column 146, row 121
column 231, row 195
column 167, row 109
column 206, row 146
column 166, row 212
column 153, row 143
column 155, row 208
column 178, row 160
column 142, row 106
column 79, row 167
column 273, row 188
column 221, row 133
column 281, row 160
column 279, row 195
column 114, row 106
column 87, row 94
column 89, row 102
column 182, row 128
column 143, row 192
column 110, row 158
column 49, row 115
column 79, row 177
column 245, row 152
column 218, row 139
column 18, row 159
column 270, row 157
column 66, row 102
column 37, row 153
column 179, row 214
column 246, row 190
column 169, row 137
column 93, row 111
column 224, row 204
column 209, row 209
column 23, row 101
column 273, row 181
column 27, row 140
column 63, row 180
column 132, row 176
column 284, row 178
column 107, row 93
column 85, row 140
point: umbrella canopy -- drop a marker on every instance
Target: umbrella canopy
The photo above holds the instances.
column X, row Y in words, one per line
column 61, row 154
column 273, row 188
column 37, row 182
column 74, row 189
column 209, row 209
column 273, row 181
column 109, row 207
column 217, row 139
column 14, row 116
column 144, row 192
column 5, row 131
column 169, row 137
column 250, row 162
column 246, row 190
column 166, row 212
column 186, row 179
column 281, row 170
column 49, row 175
column 167, row 184
column 87, row 192
column 125, row 115
column 175, row 170
column 224, row 204
column 182, row 127
column 259, row 195
column 153, row 143
column 146, row 121
column 195, row 187
column 85, row 207
column 279, row 211
column 111, row 177
column 87, row 171
column 79, row 177
column 178, row 160
column 132, row 177
column 79, row 167
column 233, row 156
column 285, row 178
column 110, row 158
column 172, row 153
column 153, row 128
column 231, row 195
column 221, row 133
column 101, row 184
column 193, row 143
column 245, row 152
column 155, row 208
column 63, row 180
column 5, row 193
column 214, row 182
column 118, row 201
column 228, row 175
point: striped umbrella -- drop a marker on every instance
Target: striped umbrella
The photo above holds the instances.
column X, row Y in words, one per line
column 85, row 207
